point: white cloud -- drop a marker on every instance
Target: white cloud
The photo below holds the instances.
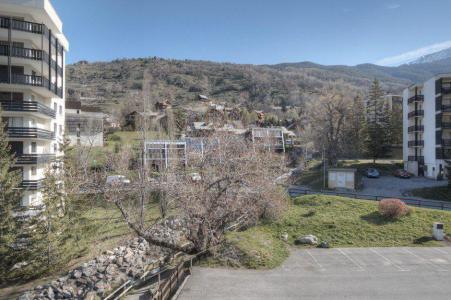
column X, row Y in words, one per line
column 393, row 6
column 413, row 55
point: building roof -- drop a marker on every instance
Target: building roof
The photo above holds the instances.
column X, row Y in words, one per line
column 73, row 104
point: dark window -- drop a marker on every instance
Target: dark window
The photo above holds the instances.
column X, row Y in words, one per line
column 438, row 86
column 438, row 137
column 438, row 103
column 16, row 148
column 7, row 96
column 438, row 120
column 33, row 147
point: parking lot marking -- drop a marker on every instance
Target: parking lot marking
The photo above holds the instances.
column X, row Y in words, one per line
column 389, row 261
column 314, row 259
column 441, row 251
column 426, row 260
column 351, row 260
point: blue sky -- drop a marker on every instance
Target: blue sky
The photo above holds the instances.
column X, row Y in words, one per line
column 256, row 31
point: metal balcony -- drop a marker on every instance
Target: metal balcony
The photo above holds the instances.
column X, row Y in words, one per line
column 416, row 128
column 29, row 133
column 34, row 159
column 416, row 113
column 416, row 98
column 27, row 106
column 446, row 125
column 32, row 185
column 32, row 80
column 446, row 142
column 22, row 25
column 446, row 108
column 419, row 143
column 28, row 53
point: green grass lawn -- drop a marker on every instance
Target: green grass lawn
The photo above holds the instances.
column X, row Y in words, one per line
column 342, row 222
column 442, row 193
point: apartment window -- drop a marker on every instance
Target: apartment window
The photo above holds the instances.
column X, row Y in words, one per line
column 55, row 107
column 33, row 171
column 61, row 129
column 6, row 96
column 33, row 147
column 61, row 109
column 55, row 128
column 55, row 148
column 15, row 121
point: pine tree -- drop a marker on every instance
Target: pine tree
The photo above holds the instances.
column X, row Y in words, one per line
column 378, row 124
column 10, row 195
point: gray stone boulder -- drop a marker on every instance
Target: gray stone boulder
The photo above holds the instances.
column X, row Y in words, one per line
column 306, row 240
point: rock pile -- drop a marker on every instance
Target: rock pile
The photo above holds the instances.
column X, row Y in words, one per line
column 98, row 277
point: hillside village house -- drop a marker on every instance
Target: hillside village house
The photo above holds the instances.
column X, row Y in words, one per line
column 32, row 83
column 84, row 124
column 427, row 127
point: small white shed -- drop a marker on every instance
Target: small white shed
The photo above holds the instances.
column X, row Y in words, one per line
column 342, row 178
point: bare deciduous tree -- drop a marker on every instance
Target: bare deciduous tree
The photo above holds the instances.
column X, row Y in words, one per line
column 232, row 183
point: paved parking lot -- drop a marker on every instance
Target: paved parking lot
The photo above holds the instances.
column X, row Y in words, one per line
column 340, row 273
column 396, row 187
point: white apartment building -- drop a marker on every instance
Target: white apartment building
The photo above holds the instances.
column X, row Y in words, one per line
column 427, row 127
column 32, row 83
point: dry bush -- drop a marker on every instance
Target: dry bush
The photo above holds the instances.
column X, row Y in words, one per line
column 393, row 208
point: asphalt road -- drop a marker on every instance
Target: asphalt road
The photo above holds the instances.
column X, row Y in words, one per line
column 346, row 273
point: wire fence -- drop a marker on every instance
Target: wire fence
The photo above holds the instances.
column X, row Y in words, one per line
column 433, row 204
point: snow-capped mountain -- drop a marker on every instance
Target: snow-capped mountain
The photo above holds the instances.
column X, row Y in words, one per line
column 433, row 57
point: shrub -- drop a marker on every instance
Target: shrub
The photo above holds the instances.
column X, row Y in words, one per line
column 393, row 208
column 114, row 138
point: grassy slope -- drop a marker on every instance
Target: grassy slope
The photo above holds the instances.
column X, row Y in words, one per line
column 342, row 222
column 442, row 193
column 102, row 227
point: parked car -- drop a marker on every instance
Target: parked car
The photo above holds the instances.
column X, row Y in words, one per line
column 402, row 174
column 117, row 179
column 372, row 173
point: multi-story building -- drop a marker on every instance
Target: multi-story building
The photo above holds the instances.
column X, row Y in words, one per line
column 84, row 124
column 427, row 127
column 32, row 59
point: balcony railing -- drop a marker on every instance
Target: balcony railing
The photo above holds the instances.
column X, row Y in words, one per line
column 416, row 158
column 32, row 185
column 416, row 128
column 419, row 143
column 446, row 108
column 28, row 106
column 416, row 98
column 446, row 125
column 22, row 25
column 29, row 53
column 446, row 142
column 416, row 113
column 33, row 159
column 33, row 80
column 29, row 132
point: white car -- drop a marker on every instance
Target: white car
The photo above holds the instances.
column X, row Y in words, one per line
column 117, row 179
